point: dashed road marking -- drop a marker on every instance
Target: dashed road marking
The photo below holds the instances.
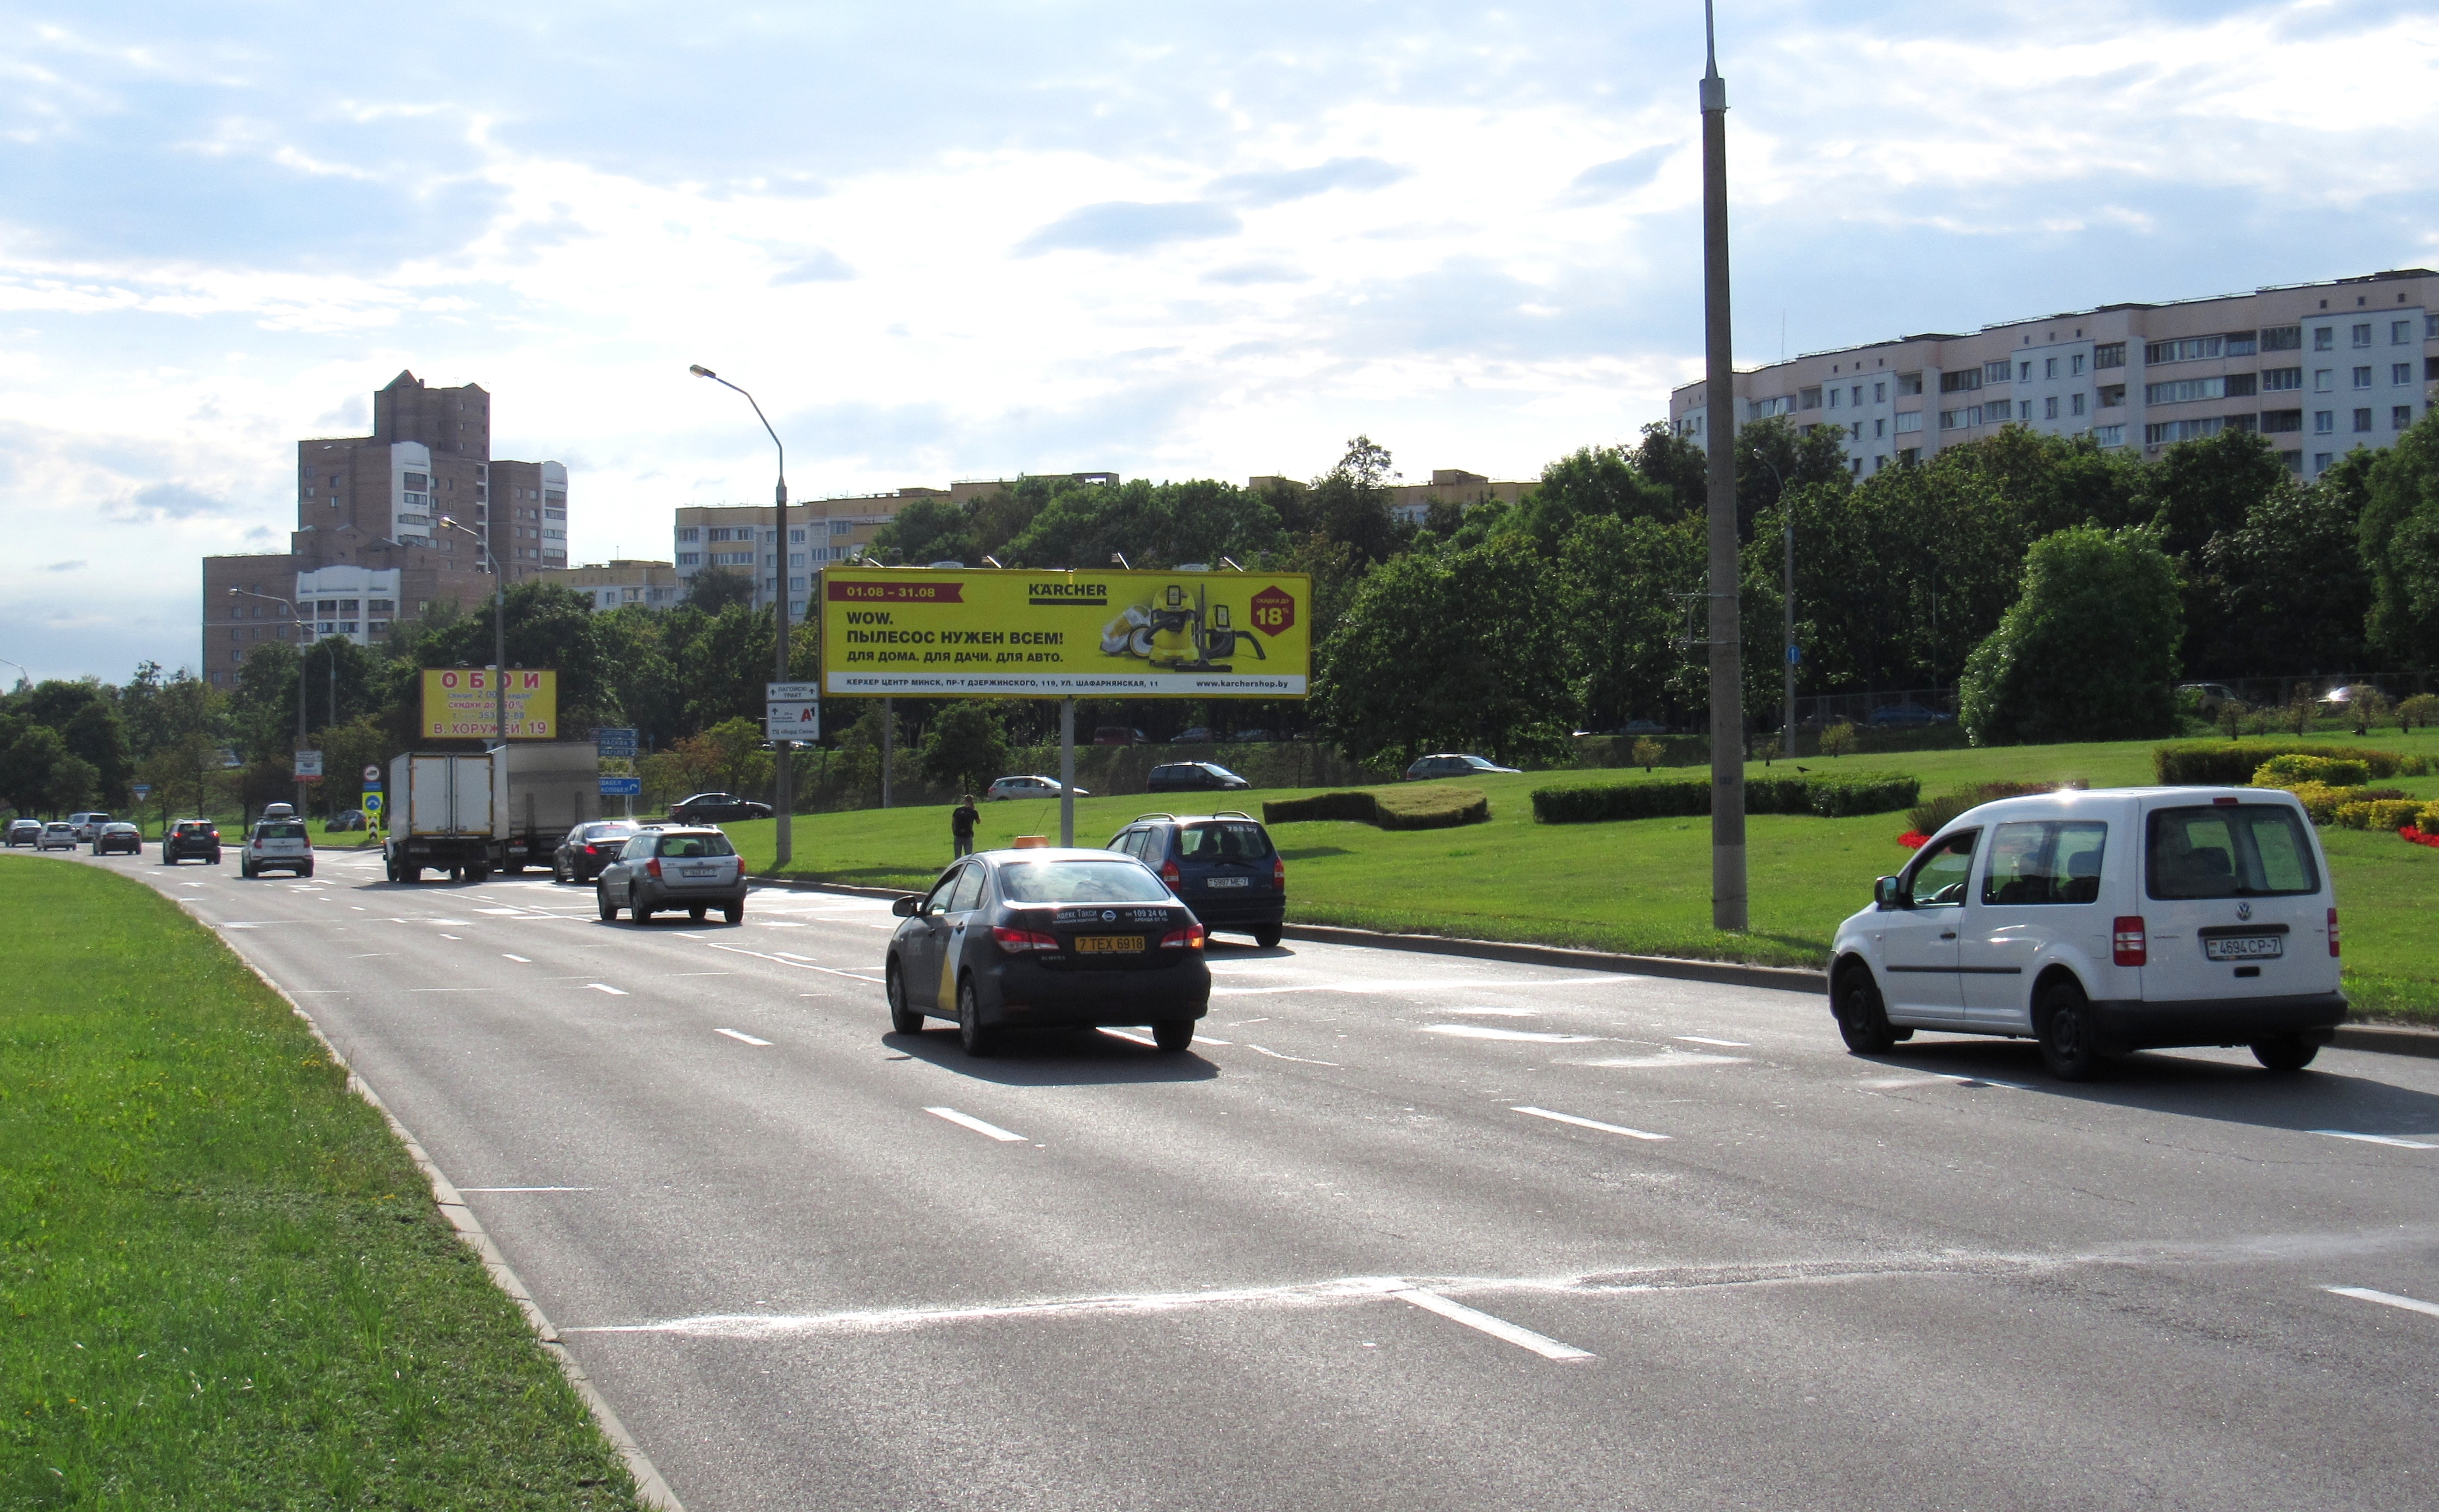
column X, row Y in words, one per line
column 1485, row 1031
column 2385, row 1299
column 1548, row 1348
column 1280, row 1055
column 742, row 1038
column 1590, row 1123
column 969, row 1120
column 519, row 959
column 604, row 986
column 2372, row 1139
column 1696, row 1038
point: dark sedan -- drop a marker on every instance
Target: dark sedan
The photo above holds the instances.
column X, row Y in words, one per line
column 1050, row 937
column 717, row 809
column 118, row 839
column 588, row 849
column 1193, row 776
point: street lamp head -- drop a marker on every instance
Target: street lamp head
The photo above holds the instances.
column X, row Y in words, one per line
column 701, row 371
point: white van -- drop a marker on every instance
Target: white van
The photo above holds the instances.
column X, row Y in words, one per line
column 2101, row 924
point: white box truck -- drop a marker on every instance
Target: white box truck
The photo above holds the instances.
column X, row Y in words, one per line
column 473, row 813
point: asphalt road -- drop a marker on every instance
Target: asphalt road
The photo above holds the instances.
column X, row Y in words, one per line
column 1403, row 1231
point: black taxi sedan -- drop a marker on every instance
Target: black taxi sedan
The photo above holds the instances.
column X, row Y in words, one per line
column 1049, row 937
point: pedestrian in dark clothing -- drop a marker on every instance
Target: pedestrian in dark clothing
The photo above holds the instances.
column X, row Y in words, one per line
column 961, row 825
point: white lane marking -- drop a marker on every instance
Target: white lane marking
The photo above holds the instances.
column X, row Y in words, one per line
column 1498, row 1013
column 447, row 923
column 604, row 986
column 1590, row 1123
column 519, row 959
column 2385, row 1299
column 1665, row 1059
column 377, row 955
column 1486, row 1031
column 1934, row 1077
column 1241, row 1023
column 528, row 1189
column 1277, row 1055
column 1696, row 1038
column 791, row 955
column 1415, row 984
column 452, row 936
column 507, row 911
column 801, row 966
column 1499, row 1328
column 742, row 1038
column 969, row 1120
column 458, row 990
column 2368, row 1139
column 1124, row 1034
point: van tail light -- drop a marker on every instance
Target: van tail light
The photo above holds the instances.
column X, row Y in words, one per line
column 652, row 869
column 1278, row 873
column 1188, row 938
column 2130, row 942
column 1019, row 941
column 2333, row 931
column 1169, row 874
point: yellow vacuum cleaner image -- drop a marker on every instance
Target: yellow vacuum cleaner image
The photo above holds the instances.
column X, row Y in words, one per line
column 976, row 632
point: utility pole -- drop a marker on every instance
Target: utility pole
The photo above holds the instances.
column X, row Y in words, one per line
column 783, row 799
column 1728, row 900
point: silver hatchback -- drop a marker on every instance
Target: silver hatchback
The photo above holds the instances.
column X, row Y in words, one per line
column 664, row 870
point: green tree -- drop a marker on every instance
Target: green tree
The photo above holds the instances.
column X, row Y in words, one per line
column 966, row 748
column 29, row 752
column 718, row 588
column 95, row 736
column 2201, row 492
column 728, row 757
column 70, row 783
column 2088, row 654
column 2400, row 547
column 548, row 627
column 1676, row 464
column 1776, row 456
column 926, row 530
column 725, row 666
column 1621, row 577
column 1592, row 481
column 2291, row 594
column 1349, row 504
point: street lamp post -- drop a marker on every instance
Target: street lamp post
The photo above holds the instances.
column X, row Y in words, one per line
column 782, row 784
column 243, row 593
column 503, row 823
column 1728, row 890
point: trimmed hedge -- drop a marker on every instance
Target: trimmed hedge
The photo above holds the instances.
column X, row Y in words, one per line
column 2220, row 765
column 1423, row 807
column 2338, row 771
column 1931, row 817
column 1832, row 797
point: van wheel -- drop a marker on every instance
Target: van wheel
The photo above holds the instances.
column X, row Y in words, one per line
column 1173, row 1034
column 2063, row 1020
column 1268, row 936
column 1862, row 1018
column 977, row 1040
column 2286, row 1052
column 903, row 1020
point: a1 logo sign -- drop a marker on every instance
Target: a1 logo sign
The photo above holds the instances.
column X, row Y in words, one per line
column 1274, row 611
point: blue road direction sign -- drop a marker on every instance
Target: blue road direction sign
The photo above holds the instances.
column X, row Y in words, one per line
column 372, row 804
column 616, row 744
column 622, row 786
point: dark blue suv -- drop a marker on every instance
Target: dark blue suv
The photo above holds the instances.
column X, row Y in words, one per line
column 1221, row 865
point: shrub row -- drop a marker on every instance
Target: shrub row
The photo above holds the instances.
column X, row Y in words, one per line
column 1829, row 796
column 1932, row 816
column 2338, row 771
column 2387, row 814
column 2215, row 765
column 1425, row 808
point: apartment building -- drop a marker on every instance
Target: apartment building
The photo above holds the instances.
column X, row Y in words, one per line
column 2318, row 368
column 369, row 551
column 621, row 582
column 1411, row 502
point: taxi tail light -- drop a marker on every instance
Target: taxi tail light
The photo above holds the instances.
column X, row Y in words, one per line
column 2333, row 931
column 1190, row 937
column 2129, row 941
column 1019, row 941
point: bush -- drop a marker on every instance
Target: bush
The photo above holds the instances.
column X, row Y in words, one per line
column 1931, row 817
column 1838, row 797
column 2390, row 815
column 2088, row 652
column 2429, row 821
column 2208, row 764
column 2285, row 770
column 2422, row 709
column 2322, row 802
column 1429, row 806
column 1838, row 740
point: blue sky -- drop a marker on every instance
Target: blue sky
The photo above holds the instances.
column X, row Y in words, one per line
column 958, row 240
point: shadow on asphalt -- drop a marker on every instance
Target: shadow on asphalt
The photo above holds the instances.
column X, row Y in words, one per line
column 1238, row 951
column 1054, row 1057
column 2186, row 1085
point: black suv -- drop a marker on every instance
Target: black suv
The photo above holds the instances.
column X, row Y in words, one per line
column 717, row 808
column 194, row 838
column 1193, row 776
column 1221, row 865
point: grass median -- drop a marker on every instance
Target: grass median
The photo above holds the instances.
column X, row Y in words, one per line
column 1644, row 886
column 224, row 1282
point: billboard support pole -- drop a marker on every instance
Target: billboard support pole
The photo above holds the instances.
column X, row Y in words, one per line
column 1728, row 883
column 888, row 745
column 1067, row 772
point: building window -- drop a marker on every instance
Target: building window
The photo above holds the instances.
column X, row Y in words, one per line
column 1880, row 393
column 2279, row 421
column 840, row 527
column 2166, row 433
column 2401, row 418
column 1857, row 396
column 2294, row 461
column 1964, row 382
column 2324, row 338
column 2239, row 342
column 2049, row 408
column 2362, row 334
column 2189, row 349
column 2184, row 391
column 2324, row 422
column 2282, row 339
column 2109, row 435
column 2112, row 396
column 1809, row 399
column 689, row 533
column 1997, row 372
column 2324, row 379
column 2075, row 364
column 2362, row 378
column 2077, row 406
column 1960, row 419
column 1908, row 383
column 2399, row 332
column 2112, row 354
column 2400, row 374
column 795, row 537
column 1833, row 398
column 1909, row 422
column 2023, row 372
column 689, row 559
column 2320, row 461
column 2362, row 421
column 1907, row 457
column 795, row 559
column 2277, row 379
column 795, row 585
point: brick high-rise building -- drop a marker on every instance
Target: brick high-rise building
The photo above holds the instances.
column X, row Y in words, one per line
column 368, row 553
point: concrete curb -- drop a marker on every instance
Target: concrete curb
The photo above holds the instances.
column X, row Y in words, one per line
column 650, row 1489
column 2387, row 1038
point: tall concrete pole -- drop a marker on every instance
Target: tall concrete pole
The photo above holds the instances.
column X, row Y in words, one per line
column 1728, row 910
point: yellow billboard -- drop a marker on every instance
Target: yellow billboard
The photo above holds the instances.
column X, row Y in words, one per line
column 461, row 703
column 955, row 633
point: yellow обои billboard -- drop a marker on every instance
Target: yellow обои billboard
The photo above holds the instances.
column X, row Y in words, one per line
column 460, row 702
column 984, row 633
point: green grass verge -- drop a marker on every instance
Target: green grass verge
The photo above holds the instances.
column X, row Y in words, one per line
column 1644, row 886
column 222, row 1283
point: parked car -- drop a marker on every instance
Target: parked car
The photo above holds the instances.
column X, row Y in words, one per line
column 191, row 839
column 277, row 844
column 1223, row 865
column 1047, row 937
column 1456, row 766
column 1119, row 735
column 1906, row 717
column 1006, row 788
column 588, row 849
column 1193, row 734
column 1254, row 737
column 662, row 870
column 2102, row 923
column 717, row 809
column 2209, row 697
column 26, row 832
column 87, row 825
column 2341, row 700
column 118, row 838
column 345, row 820
column 57, row 835
column 1193, row 776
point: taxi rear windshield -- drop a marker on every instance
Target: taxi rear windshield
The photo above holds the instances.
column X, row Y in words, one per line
column 2232, row 850
column 281, row 831
column 685, row 846
column 1080, row 881
column 1230, row 840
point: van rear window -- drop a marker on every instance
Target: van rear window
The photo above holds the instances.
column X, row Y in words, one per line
column 2245, row 851
column 1224, row 841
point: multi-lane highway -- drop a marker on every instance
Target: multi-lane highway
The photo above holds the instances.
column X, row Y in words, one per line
column 1400, row 1232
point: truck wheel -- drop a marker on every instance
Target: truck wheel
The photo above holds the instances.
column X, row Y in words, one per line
column 478, row 874
column 1862, row 1018
column 2068, row 1045
column 2286, row 1052
column 601, row 902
